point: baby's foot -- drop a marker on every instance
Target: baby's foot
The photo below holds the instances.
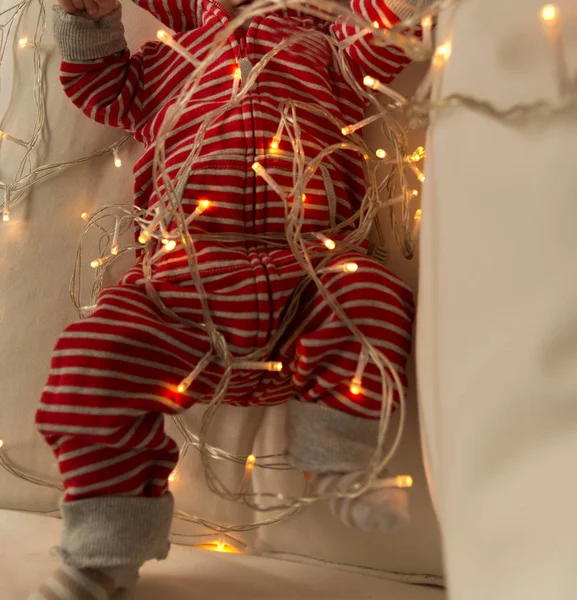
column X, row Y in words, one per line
column 382, row 509
column 68, row 583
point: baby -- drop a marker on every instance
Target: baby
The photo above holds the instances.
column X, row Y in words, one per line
column 115, row 374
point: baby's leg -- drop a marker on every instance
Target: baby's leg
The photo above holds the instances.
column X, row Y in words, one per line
column 333, row 431
column 112, row 377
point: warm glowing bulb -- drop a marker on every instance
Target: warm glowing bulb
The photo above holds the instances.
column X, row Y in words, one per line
column 274, row 144
column 1, row 443
column 381, row 153
column 172, row 476
column 6, row 217
column 170, row 245
column 161, row 35
column 96, row 263
column 351, row 267
column 346, row 130
column 23, row 42
column 443, row 52
column 404, row 481
column 276, row 366
column 143, row 237
column 427, row 21
column 117, row 162
column 370, row 82
column 204, row 204
column 376, row 24
column 237, row 73
column 355, row 389
column 549, row 12
column 330, row 244
column 421, row 177
column 415, row 193
column 114, row 250
column 220, row 546
column 84, row 216
column 418, row 213
column 256, row 167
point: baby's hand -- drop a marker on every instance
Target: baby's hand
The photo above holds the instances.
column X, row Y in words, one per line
column 95, row 9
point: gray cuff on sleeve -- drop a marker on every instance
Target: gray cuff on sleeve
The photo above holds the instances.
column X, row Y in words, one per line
column 322, row 439
column 114, row 531
column 81, row 39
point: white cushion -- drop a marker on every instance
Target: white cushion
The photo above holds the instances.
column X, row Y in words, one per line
column 37, row 250
column 25, row 564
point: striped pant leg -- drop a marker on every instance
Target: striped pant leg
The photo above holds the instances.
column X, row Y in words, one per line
column 113, row 377
column 330, row 427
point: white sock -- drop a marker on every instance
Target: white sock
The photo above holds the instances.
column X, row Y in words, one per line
column 382, row 509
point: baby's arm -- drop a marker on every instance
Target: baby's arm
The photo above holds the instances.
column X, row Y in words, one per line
column 98, row 72
column 382, row 63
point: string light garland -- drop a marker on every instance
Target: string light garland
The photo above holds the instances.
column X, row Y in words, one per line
column 155, row 242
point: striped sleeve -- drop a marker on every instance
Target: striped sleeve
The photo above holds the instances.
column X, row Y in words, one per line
column 383, row 63
column 179, row 15
column 110, row 90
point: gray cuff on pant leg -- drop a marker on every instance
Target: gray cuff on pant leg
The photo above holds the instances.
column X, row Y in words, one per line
column 82, row 39
column 114, row 531
column 322, row 439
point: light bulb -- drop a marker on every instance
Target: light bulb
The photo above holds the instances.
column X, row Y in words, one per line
column 418, row 213
column 6, row 217
column 404, row 481
column 442, row 53
column 549, row 12
column 256, row 167
column 427, row 21
column 1, row 443
column 355, row 389
column 117, row 163
column 376, row 24
column 220, row 546
column 275, row 144
column 370, row 82
column 204, row 204
column 350, row 267
column 143, row 237
column 97, row 263
column 346, row 130
column 84, row 216
column 172, row 476
column 329, row 244
column 276, row 366
column 114, row 250
column 162, row 35
column 414, row 193
column 183, row 386
column 170, row 245
column 23, row 42
column 237, row 73
column 249, row 466
column 381, row 153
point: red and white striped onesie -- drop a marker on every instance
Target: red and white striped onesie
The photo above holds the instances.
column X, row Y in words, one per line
column 114, row 374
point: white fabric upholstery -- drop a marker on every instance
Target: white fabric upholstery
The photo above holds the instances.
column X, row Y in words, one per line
column 498, row 312
column 200, row 574
column 37, row 250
